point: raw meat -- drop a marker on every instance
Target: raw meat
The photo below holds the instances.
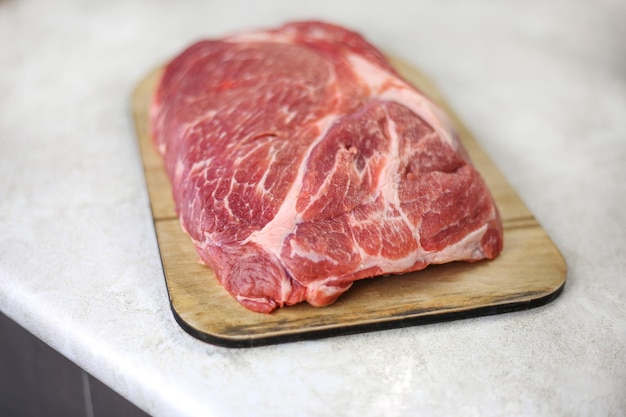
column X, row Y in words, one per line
column 301, row 161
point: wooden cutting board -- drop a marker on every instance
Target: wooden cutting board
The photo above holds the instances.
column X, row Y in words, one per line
column 529, row 272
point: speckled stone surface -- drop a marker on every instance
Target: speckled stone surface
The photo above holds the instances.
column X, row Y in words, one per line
column 541, row 84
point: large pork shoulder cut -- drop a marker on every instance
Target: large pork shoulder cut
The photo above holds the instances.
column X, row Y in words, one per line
column 300, row 161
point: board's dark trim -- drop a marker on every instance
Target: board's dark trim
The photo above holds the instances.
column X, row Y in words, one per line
column 392, row 323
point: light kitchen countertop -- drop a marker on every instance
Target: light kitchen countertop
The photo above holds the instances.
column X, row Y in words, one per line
column 542, row 85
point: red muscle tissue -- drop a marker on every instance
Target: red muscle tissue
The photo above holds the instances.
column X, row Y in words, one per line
column 301, row 161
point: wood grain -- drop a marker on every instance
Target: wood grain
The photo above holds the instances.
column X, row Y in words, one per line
column 529, row 272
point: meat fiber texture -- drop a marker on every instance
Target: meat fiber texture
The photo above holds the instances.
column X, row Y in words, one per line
column 300, row 161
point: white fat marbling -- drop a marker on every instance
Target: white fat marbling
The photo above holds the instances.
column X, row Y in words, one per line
column 541, row 84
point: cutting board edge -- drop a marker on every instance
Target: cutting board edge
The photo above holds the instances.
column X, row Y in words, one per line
column 390, row 323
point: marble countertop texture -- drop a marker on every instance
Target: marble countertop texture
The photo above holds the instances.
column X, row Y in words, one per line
column 542, row 85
